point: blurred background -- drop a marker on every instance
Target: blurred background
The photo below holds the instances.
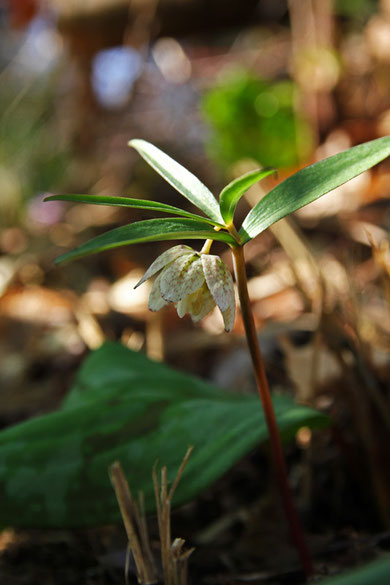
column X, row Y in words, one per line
column 223, row 87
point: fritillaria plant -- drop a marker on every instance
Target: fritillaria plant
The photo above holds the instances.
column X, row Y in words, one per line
column 197, row 281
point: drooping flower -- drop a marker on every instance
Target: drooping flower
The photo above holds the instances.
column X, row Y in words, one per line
column 195, row 281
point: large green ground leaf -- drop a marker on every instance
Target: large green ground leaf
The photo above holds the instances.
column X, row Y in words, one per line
column 53, row 469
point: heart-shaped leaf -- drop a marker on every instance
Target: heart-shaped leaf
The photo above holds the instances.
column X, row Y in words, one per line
column 149, row 230
column 232, row 193
column 179, row 177
column 129, row 202
column 311, row 183
column 53, row 469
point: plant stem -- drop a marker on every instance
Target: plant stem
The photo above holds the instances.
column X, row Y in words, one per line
column 265, row 396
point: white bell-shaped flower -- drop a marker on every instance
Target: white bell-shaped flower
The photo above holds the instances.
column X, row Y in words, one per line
column 194, row 281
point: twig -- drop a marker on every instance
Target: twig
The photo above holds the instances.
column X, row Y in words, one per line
column 146, row 571
column 180, row 473
column 174, row 559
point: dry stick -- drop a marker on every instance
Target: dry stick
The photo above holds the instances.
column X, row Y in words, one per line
column 127, row 563
column 265, row 396
column 174, row 559
column 157, row 497
column 178, row 557
column 180, row 561
column 166, row 528
column 145, row 571
column 180, row 473
column 143, row 531
column 176, row 551
column 123, row 496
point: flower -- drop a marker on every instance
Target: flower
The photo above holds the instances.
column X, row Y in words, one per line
column 195, row 281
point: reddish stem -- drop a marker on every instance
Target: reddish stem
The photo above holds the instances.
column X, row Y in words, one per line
column 265, row 396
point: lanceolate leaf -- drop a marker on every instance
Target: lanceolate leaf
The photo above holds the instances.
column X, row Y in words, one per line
column 311, row 183
column 150, row 230
column 129, row 202
column 124, row 406
column 233, row 192
column 179, row 177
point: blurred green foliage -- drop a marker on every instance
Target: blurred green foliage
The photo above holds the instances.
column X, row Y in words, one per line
column 253, row 118
column 356, row 10
column 33, row 154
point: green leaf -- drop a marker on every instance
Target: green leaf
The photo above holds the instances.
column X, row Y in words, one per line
column 149, row 230
column 53, row 469
column 375, row 573
column 311, row 183
column 232, row 193
column 129, row 202
column 179, row 177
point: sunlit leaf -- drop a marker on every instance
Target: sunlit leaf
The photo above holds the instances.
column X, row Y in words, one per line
column 150, row 230
column 311, row 183
column 179, row 177
column 123, row 406
column 129, row 202
column 233, row 192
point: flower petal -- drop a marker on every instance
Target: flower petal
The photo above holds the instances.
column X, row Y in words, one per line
column 164, row 259
column 182, row 307
column 200, row 310
column 228, row 317
column 181, row 278
column 198, row 304
column 156, row 301
column 219, row 281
